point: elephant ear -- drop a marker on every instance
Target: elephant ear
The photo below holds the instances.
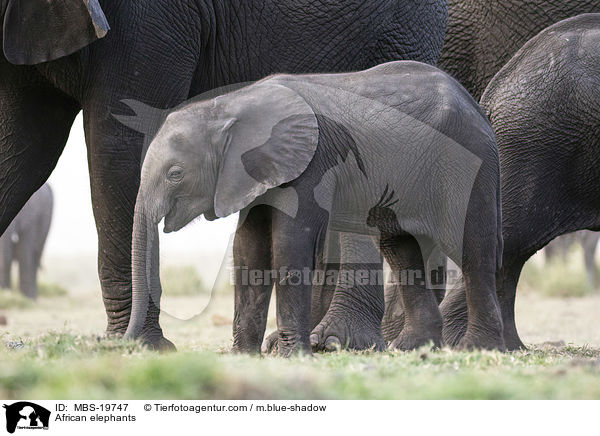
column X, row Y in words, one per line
column 37, row 31
column 271, row 135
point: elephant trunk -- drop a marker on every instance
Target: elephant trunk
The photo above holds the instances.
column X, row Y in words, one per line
column 145, row 270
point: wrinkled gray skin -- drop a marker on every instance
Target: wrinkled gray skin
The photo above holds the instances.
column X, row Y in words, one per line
column 545, row 108
column 483, row 35
column 62, row 57
column 559, row 248
column 24, row 242
column 481, row 38
column 372, row 153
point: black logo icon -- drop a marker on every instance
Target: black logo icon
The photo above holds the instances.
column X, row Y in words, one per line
column 26, row 415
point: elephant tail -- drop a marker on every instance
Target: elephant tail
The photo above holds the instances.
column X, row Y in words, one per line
column 500, row 244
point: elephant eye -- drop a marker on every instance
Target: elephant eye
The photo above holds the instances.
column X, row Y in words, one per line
column 175, row 173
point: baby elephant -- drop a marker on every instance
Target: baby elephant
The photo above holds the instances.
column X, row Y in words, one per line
column 399, row 152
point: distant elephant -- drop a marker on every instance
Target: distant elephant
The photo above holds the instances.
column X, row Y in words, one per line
column 400, row 152
column 588, row 241
column 545, row 108
column 61, row 57
column 484, row 34
column 24, row 241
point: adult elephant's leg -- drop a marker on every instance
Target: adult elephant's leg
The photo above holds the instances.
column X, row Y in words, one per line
column 393, row 317
column 35, row 120
column 589, row 241
column 6, row 257
column 253, row 283
column 479, row 268
column 454, row 314
column 114, row 158
column 114, row 161
column 353, row 319
column 506, row 287
column 422, row 318
column 28, row 264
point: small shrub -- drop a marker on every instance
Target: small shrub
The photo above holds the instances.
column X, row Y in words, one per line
column 182, row 281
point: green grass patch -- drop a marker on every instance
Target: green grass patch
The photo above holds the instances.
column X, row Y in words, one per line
column 11, row 299
column 556, row 278
column 60, row 365
column 50, row 290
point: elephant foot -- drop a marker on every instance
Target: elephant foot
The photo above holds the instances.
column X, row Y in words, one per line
column 482, row 341
column 453, row 330
column 289, row 345
column 412, row 337
column 455, row 316
column 347, row 331
column 511, row 338
column 162, row 345
column 269, row 345
column 274, row 344
column 154, row 340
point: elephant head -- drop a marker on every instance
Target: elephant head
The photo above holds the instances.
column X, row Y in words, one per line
column 36, row 31
column 214, row 158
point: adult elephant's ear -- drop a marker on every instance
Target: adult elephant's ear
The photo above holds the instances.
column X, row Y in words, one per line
column 270, row 135
column 37, row 31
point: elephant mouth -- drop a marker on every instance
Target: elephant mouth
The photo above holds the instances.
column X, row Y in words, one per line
column 173, row 223
column 176, row 220
column 210, row 215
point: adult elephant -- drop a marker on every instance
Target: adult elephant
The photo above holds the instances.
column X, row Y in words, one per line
column 484, row 34
column 24, row 241
column 60, row 57
column 543, row 105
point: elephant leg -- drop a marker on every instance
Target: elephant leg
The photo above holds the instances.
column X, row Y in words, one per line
column 589, row 241
column 322, row 290
column 506, row 286
column 326, row 261
column 35, row 122
column 455, row 310
column 6, row 258
column 393, row 317
column 28, row 264
column 114, row 190
column 252, row 292
column 353, row 319
column 422, row 318
column 454, row 307
column 454, row 314
column 295, row 243
column 114, row 159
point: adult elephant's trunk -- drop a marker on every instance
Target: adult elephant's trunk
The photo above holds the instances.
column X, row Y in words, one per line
column 145, row 270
